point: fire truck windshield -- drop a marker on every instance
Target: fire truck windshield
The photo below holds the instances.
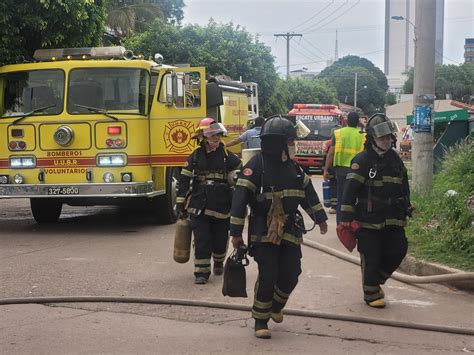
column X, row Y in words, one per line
column 111, row 90
column 35, row 92
column 321, row 126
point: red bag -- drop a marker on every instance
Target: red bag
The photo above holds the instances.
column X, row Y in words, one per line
column 347, row 235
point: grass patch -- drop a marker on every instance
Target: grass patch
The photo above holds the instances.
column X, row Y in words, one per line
column 440, row 230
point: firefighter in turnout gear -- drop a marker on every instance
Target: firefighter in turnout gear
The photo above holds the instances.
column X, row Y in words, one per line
column 274, row 186
column 205, row 194
column 377, row 197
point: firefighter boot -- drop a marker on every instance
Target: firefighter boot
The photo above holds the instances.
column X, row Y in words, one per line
column 218, row 268
column 261, row 329
column 378, row 303
column 201, row 279
column 276, row 316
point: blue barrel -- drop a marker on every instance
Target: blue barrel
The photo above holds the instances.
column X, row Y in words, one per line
column 326, row 194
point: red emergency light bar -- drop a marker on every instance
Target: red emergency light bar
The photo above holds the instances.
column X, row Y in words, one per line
column 320, row 106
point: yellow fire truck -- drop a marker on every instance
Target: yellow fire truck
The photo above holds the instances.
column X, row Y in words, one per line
column 99, row 126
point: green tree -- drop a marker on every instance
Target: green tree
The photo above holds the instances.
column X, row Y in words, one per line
column 27, row 25
column 454, row 80
column 310, row 91
column 355, row 61
column 127, row 17
column 277, row 103
column 221, row 48
column 390, row 99
column 370, row 96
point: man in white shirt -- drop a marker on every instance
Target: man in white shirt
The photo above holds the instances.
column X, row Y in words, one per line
column 251, row 136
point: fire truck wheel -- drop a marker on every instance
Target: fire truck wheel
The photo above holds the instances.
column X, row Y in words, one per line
column 46, row 210
column 165, row 205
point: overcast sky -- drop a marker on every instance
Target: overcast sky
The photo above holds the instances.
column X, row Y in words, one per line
column 360, row 25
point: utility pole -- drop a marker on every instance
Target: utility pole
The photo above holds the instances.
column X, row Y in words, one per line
column 423, row 95
column 288, row 36
column 355, row 92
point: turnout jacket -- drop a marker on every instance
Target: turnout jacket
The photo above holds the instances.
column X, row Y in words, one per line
column 254, row 187
column 376, row 192
column 210, row 192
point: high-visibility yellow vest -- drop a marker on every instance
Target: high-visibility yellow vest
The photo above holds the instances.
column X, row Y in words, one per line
column 349, row 142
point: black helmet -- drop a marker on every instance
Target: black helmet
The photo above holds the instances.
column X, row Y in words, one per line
column 380, row 125
column 278, row 126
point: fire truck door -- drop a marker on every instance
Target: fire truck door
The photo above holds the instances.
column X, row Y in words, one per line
column 178, row 105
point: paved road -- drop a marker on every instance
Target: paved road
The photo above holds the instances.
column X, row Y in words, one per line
column 108, row 252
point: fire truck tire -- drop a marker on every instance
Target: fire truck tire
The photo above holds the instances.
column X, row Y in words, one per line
column 46, row 210
column 165, row 205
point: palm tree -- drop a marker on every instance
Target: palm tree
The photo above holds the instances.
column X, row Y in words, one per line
column 126, row 17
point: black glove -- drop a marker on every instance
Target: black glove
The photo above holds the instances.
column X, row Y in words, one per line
column 181, row 212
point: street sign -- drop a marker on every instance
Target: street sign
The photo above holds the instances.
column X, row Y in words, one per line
column 423, row 118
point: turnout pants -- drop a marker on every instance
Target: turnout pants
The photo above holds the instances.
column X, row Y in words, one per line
column 381, row 253
column 278, row 269
column 211, row 236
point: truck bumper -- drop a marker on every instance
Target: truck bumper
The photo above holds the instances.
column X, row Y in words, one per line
column 309, row 161
column 137, row 189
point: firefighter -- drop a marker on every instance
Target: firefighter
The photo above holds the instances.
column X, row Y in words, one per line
column 205, row 194
column 274, row 186
column 377, row 197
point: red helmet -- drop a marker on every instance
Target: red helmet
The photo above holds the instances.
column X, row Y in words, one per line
column 205, row 123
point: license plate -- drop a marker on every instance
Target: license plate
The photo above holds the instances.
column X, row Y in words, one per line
column 63, row 190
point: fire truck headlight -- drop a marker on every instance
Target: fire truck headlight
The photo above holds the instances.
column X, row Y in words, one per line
column 18, row 178
column 126, row 177
column 111, row 160
column 19, row 162
column 3, row 179
column 108, row 177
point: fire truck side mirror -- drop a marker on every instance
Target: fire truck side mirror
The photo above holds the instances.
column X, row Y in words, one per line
column 171, row 89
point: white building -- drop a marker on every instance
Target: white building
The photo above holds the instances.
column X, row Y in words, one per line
column 399, row 39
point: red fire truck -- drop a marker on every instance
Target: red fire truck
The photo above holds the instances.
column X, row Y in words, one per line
column 321, row 119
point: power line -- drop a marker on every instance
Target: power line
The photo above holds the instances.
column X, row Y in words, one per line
column 327, row 17
column 312, row 17
column 312, row 45
column 334, row 19
column 310, row 51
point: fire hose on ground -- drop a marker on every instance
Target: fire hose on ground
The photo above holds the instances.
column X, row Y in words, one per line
column 459, row 276
column 294, row 312
column 236, row 307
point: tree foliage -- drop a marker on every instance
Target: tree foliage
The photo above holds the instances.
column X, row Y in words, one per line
column 127, row 17
column 455, row 80
column 221, row 48
column 27, row 25
column 371, row 82
column 303, row 91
